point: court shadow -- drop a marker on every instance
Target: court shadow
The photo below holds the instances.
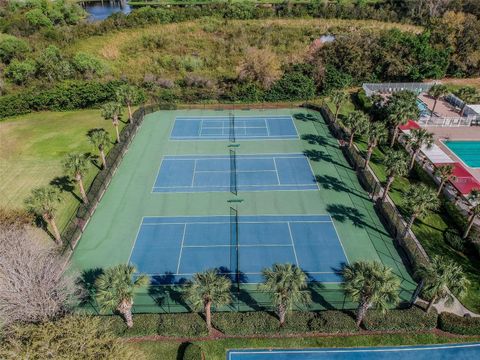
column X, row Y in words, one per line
column 305, row 117
column 181, row 350
column 316, row 290
column 165, row 291
column 315, row 139
column 65, row 184
column 333, row 183
column 87, row 282
column 318, row 155
column 343, row 213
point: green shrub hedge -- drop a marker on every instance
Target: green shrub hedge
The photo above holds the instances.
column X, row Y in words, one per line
column 412, row 319
column 192, row 352
column 181, row 325
column 459, row 325
column 64, row 96
column 259, row 323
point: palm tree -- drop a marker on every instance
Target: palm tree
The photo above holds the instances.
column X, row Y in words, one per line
column 370, row 284
column 401, row 107
column 112, row 111
column 208, row 289
column 115, row 289
column 444, row 173
column 419, row 200
column 43, row 202
column 356, row 122
column 100, row 139
column 287, row 286
column 417, row 139
column 442, row 280
column 127, row 95
column 76, row 165
column 395, row 165
column 469, row 95
column 338, row 98
column 437, row 91
column 474, row 198
column 376, row 133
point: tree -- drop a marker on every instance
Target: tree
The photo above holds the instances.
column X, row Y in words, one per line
column 338, row 98
column 287, row 286
column 437, row 91
column 395, row 165
column 72, row 337
column 474, row 198
column 208, row 289
column 76, row 165
column 469, row 95
column 100, row 139
column 444, row 173
column 370, row 284
column 417, row 139
column 260, row 66
column 112, row 111
column 35, row 283
column 356, row 122
column 116, row 287
column 128, row 95
column 401, row 107
column 43, row 202
column 20, row 72
column 419, row 200
column 442, row 279
column 376, row 133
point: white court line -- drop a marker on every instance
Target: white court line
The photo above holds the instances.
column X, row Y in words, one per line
column 194, row 169
column 246, row 273
column 240, row 222
column 276, row 169
column 293, row 244
column 266, row 126
column 135, row 241
column 246, row 245
column 243, row 186
column 181, row 247
column 246, row 117
column 227, row 171
column 226, row 157
column 339, row 239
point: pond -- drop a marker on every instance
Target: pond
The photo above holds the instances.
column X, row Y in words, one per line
column 100, row 10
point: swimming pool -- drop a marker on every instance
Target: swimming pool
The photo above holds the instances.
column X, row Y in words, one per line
column 467, row 151
column 424, row 110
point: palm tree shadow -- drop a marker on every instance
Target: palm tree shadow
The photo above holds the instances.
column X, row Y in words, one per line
column 343, row 213
column 65, row 184
column 165, row 292
column 42, row 224
column 305, row 117
column 87, row 282
column 333, row 183
column 318, row 155
column 315, row 139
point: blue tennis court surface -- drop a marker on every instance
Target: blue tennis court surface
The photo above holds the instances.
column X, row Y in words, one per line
column 253, row 173
column 172, row 249
column 430, row 352
column 244, row 127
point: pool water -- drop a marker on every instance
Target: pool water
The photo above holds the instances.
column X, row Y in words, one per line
column 467, row 151
column 424, row 111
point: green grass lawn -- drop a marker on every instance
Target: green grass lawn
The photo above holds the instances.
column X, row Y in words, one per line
column 216, row 350
column 32, row 148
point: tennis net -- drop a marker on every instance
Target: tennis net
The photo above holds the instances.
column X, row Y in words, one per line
column 232, row 126
column 233, row 172
column 234, row 253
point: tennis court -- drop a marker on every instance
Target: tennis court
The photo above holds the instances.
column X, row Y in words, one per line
column 241, row 172
column 238, row 127
column 429, row 352
column 172, row 249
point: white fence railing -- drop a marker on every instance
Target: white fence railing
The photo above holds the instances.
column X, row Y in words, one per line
column 448, row 121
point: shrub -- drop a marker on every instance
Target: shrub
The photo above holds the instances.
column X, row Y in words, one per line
column 364, row 101
column 87, row 65
column 335, row 79
column 250, row 323
column 333, row 322
column 20, row 71
column 193, row 80
column 12, row 48
column 412, row 319
column 292, row 86
column 454, row 239
column 12, row 217
column 180, row 325
column 193, row 352
column 459, row 325
column 37, row 18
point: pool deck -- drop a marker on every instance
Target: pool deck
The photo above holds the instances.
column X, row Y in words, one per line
column 443, row 108
column 471, row 133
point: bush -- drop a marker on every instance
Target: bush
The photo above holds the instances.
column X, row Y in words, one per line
column 364, row 101
column 454, row 239
column 193, row 352
column 249, row 323
column 20, row 71
column 333, row 322
column 87, row 65
column 459, row 325
column 180, row 325
column 292, row 86
column 11, row 48
column 412, row 319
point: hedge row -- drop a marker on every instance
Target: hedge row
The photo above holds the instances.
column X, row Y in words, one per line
column 184, row 325
column 65, row 96
column 459, row 325
column 412, row 319
column 266, row 323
